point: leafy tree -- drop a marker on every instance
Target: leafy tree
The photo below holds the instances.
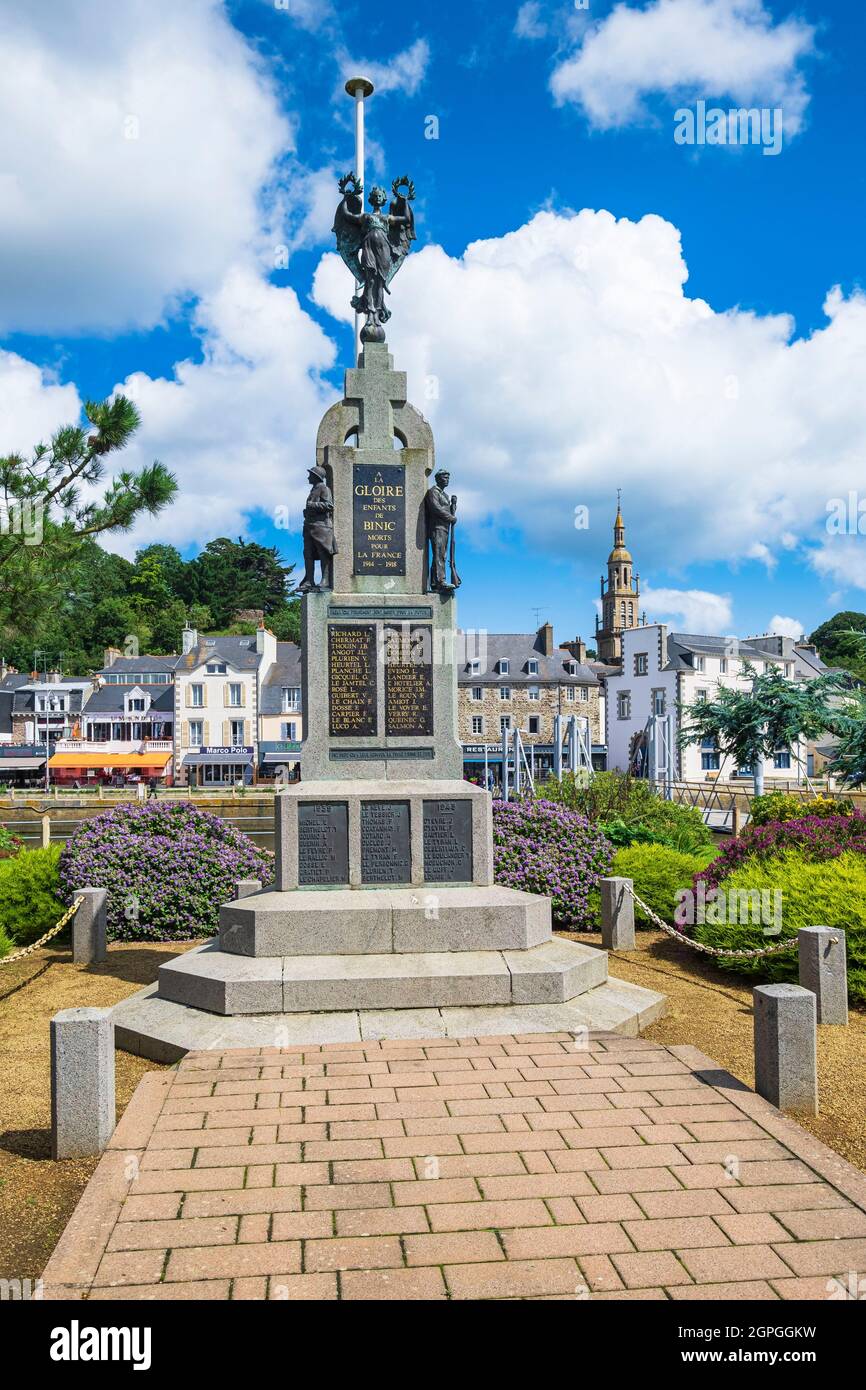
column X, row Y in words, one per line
column 841, row 641
column 750, row 725
column 849, row 725
column 51, row 511
column 229, row 576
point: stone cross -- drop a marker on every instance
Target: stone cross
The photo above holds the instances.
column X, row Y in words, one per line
column 377, row 392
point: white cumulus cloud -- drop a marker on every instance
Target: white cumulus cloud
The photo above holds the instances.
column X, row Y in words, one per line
column 786, row 627
column 137, row 141
column 686, row 49
column 691, row 610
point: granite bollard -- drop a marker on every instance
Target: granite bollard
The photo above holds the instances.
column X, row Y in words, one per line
column 617, row 914
column 83, row 1112
column 824, row 970
column 89, row 926
column 786, row 1053
column 247, row 887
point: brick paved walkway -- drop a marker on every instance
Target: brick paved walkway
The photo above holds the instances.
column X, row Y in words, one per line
column 510, row 1167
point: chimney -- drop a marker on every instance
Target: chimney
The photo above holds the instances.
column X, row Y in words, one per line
column 54, row 677
column 577, row 649
column 190, row 638
column 110, row 655
column 544, row 639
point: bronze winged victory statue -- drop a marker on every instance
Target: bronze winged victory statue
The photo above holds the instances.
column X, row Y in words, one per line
column 374, row 245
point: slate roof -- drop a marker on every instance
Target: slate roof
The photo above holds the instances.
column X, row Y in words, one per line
column 239, row 652
column 110, row 697
column 24, row 699
column 517, row 648
column 6, row 700
column 133, row 664
column 286, row 670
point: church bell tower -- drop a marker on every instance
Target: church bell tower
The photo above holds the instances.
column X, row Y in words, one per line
column 620, row 595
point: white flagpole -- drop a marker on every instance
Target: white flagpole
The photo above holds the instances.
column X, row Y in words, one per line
column 359, row 88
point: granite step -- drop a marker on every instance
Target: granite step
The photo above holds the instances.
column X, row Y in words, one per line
column 164, row 1031
column 218, row 982
column 372, row 921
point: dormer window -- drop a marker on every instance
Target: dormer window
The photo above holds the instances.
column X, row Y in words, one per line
column 474, row 668
column 503, row 667
column 532, row 667
column 216, row 668
column 571, row 668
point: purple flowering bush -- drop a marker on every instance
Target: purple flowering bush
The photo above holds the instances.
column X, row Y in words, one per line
column 815, row 837
column 541, row 847
column 168, row 867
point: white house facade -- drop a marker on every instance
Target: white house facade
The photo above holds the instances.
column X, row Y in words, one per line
column 663, row 671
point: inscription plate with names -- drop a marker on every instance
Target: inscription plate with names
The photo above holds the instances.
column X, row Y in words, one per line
column 323, row 842
column 408, row 681
column 448, row 841
column 385, row 850
column 379, row 518
column 352, row 680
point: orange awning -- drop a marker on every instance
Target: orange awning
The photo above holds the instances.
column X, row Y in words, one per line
column 85, row 760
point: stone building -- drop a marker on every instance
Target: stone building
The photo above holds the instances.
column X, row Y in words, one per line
column 522, row 681
column 620, row 597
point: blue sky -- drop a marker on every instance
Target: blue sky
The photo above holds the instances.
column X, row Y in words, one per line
column 569, row 353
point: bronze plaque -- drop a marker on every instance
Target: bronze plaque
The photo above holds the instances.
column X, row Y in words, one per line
column 386, row 855
column 379, row 518
column 408, row 680
column 323, row 842
column 448, row 841
column 352, row 680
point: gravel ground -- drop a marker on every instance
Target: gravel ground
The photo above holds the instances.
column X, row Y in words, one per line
column 707, row 1009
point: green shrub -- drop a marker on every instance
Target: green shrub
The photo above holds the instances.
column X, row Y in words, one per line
column 30, row 902
column 9, row 843
column 829, row 892
column 783, row 806
column 657, row 873
column 5, row 944
column 630, row 811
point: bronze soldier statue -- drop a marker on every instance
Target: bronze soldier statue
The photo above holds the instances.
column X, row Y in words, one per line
column 319, row 543
column 441, row 511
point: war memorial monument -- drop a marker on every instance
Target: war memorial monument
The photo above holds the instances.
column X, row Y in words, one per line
column 384, row 919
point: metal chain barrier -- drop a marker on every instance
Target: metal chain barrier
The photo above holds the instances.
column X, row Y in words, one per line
column 28, row 950
column 773, row 950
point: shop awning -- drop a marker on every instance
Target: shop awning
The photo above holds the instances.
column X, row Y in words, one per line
column 20, row 765
column 242, row 757
column 118, row 760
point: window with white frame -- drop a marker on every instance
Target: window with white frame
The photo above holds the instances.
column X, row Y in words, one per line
column 641, row 663
column 196, row 732
column 533, row 692
column 584, row 693
column 478, row 723
column 569, row 693
column 723, row 665
column 700, row 697
column 571, row 667
column 474, row 667
column 709, row 755
column 235, row 694
column 658, row 702
column 477, row 693
column 216, row 668
column 700, row 663
column 532, row 667
column 505, row 692
column 623, row 704
column 503, row 666
column 290, row 698
column 533, row 724
column 196, row 696
column 504, row 723
column 782, row 758
column 236, row 729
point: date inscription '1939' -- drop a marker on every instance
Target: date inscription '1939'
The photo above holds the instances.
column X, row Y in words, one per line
column 323, row 842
